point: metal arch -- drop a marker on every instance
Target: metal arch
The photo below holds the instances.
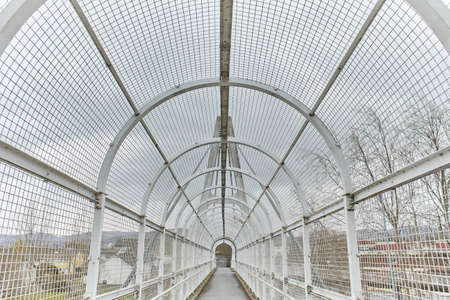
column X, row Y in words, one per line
column 434, row 12
column 269, row 225
column 263, row 208
column 229, row 199
column 194, row 85
column 437, row 16
column 223, row 238
column 197, row 234
column 12, row 18
column 254, row 228
column 210, row 141
column 206, row 171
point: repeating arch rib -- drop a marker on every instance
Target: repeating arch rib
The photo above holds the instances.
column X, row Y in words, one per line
column 173, row 202
column 253, row 226
column 231, row 140
column 263, row 208
column 434, row 12
column 232, row 200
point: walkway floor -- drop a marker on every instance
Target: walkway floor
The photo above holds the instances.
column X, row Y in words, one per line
column 223, row 285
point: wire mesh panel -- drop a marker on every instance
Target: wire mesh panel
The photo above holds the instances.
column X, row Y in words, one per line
column 405, row 253
column 277, row 256
column 44, row 238
column 59, row 102
column 150, row 292
column 151, row 253
column 329, row 255
column 118, row 253
column 295, row 263
column 393, row 90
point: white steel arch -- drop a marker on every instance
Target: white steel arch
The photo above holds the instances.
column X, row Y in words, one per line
column 434, row 12
column 263, row 208
column 254, row 228
column 170, row 205
column 211, row 141
column 232, row 200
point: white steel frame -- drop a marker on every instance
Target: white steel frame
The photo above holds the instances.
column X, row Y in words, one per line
column 16, row 13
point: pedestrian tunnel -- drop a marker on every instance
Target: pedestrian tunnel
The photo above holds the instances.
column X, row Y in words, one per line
column 224, row 149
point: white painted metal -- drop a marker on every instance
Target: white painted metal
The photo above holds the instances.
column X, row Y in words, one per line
column 206, row 171
column 428, row 165
column 228, row 199
column 352, row 248
column 263, row 208
column 271, row 266
column 284, row 271
column 255, row 228
column 95, row 248
column 193, row 85
column 13, row 16
column 307, row 259
column 320, row 292
column 140, row 257
column 162, row 255
column 437, row 16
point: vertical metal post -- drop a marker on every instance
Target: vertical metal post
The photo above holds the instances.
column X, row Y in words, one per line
column 263, row 253
column 307, row 257
column 140, row 256
column 271, row 269
column 162, row 258
column 182, row 266
column 95, row 247
column 352, row 248
column 254, row 264
column 284, row 270
column 174, row 265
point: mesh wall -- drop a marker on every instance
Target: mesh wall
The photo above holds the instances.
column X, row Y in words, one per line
column 45, row 235
column 405, row 253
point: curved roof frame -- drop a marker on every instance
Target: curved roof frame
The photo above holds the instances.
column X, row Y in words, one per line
column 197, row 235
column 435, row 13
column 228, row 199
column 174, row 200
column 223, row 239
column 211, row 141
column 263, row 208
column 254, row 228
column 315, row 121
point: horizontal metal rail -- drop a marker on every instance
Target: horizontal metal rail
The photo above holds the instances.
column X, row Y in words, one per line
column 135, row 288
column 424, row 167
column 312, row 289
column 30, row 164
column 178, row 284
column 286, row 295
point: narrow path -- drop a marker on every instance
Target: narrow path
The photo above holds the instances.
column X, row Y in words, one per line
column 223, row 285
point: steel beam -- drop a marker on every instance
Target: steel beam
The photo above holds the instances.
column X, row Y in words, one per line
column 95, row 248
column 263, row 208
column 226, row 14
column 228, row 199
column 140, row 257
column 437, row 16
column 211, row 141
column 426, row 166
column 13, row 16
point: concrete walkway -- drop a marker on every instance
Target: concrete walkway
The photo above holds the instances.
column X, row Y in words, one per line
column 223, row 285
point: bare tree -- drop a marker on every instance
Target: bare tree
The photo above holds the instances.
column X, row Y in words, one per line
column 429, row 129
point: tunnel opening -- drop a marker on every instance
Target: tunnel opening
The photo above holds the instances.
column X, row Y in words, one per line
column 223, row 253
